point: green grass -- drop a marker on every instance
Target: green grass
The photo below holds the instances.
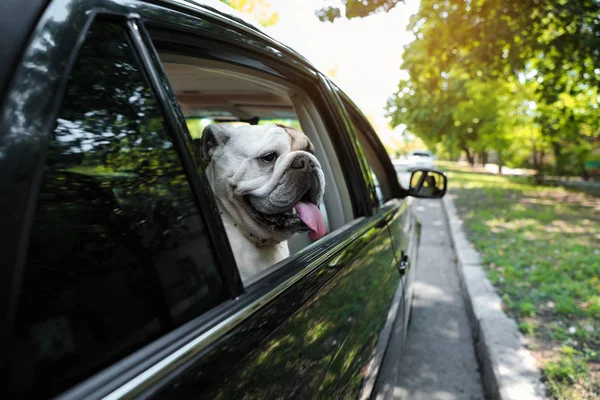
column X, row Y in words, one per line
column 541, row 249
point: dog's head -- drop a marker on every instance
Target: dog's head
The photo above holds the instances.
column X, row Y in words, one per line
column 266, row 177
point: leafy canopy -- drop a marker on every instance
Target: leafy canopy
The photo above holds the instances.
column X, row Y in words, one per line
column 481, row 70
column 355, row 9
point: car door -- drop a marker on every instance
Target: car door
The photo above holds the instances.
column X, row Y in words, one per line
column 125, row 285
column 317, row 337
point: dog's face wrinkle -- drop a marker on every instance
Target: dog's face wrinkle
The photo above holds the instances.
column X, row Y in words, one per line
column 267, row 167
column 287, row 221
column 293, row 187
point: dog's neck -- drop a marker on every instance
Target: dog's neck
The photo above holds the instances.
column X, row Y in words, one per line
column 257, row 241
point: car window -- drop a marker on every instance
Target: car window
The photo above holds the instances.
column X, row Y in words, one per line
column 118, row 253
column 213, row 92
column 383, row 188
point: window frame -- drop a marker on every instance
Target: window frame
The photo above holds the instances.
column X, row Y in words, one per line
column 172, row 38
column 182, row 140
column 230, row 50
column 356, row 117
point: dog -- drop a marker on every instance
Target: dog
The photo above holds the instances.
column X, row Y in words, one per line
column 268, row 185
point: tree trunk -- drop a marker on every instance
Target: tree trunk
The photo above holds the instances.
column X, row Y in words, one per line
column 500, row 162
column 470, row 157
column 558, row 166
column 483, row 157
column 538, row 159
column 584, row 174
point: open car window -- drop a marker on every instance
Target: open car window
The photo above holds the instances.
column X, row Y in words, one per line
column 210, row 92
column 213, row 92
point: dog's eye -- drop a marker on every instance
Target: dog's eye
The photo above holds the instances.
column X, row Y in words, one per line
column 269, row 157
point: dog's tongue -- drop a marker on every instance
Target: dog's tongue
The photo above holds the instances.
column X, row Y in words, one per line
column 311, row 216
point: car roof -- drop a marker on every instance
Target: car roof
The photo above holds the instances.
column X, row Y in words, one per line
column 225, row 13
column 220, row 8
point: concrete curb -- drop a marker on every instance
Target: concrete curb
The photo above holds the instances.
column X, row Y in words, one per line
column 509, row 372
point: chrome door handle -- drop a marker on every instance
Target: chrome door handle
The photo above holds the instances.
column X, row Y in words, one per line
column 403, row 264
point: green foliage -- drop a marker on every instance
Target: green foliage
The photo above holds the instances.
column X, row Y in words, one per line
column 293, row 123
column 541, row 250
column 517, row 77
column 355, row 9
column 568, row 377
column 196, row 125
column 527, row 309
column 528, row 328
column 568, row 367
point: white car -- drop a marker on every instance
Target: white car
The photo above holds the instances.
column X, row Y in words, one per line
column 420, row 159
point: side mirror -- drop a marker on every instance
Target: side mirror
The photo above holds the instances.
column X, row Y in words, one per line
column 427, row 184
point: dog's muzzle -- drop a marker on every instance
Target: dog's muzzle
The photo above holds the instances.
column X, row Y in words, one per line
column 301, row 189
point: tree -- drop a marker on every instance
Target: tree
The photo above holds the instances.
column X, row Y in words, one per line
column 571, row 126
column 504, row 35
column 355, row 9
column 260, row 10
column 465, row 53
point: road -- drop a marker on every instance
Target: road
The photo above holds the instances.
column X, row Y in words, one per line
column 438, row 361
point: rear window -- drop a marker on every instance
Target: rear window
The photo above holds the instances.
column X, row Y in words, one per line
column 118, row 253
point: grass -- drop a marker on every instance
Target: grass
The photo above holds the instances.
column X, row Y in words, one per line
column 541, row 249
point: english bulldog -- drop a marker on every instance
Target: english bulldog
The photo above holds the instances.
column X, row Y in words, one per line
column 268, row 185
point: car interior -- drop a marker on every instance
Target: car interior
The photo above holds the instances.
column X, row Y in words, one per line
column 214, row 92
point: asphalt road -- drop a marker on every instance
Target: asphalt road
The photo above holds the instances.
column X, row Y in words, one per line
column 438, row 361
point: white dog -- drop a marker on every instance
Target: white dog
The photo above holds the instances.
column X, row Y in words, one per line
column 268, row 185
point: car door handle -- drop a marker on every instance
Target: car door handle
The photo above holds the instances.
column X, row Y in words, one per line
column 403, row 264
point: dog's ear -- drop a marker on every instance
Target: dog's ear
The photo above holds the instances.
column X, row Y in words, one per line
column 213, row 136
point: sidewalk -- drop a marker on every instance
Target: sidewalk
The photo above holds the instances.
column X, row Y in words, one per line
column 438, row 361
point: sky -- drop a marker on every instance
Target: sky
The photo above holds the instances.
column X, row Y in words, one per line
column 365, row 53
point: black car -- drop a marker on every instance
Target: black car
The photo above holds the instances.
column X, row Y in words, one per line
column 117, row 278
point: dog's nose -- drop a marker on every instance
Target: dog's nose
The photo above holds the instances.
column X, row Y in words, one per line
column 299, row 163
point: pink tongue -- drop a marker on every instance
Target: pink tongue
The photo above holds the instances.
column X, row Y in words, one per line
column 311, row 216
